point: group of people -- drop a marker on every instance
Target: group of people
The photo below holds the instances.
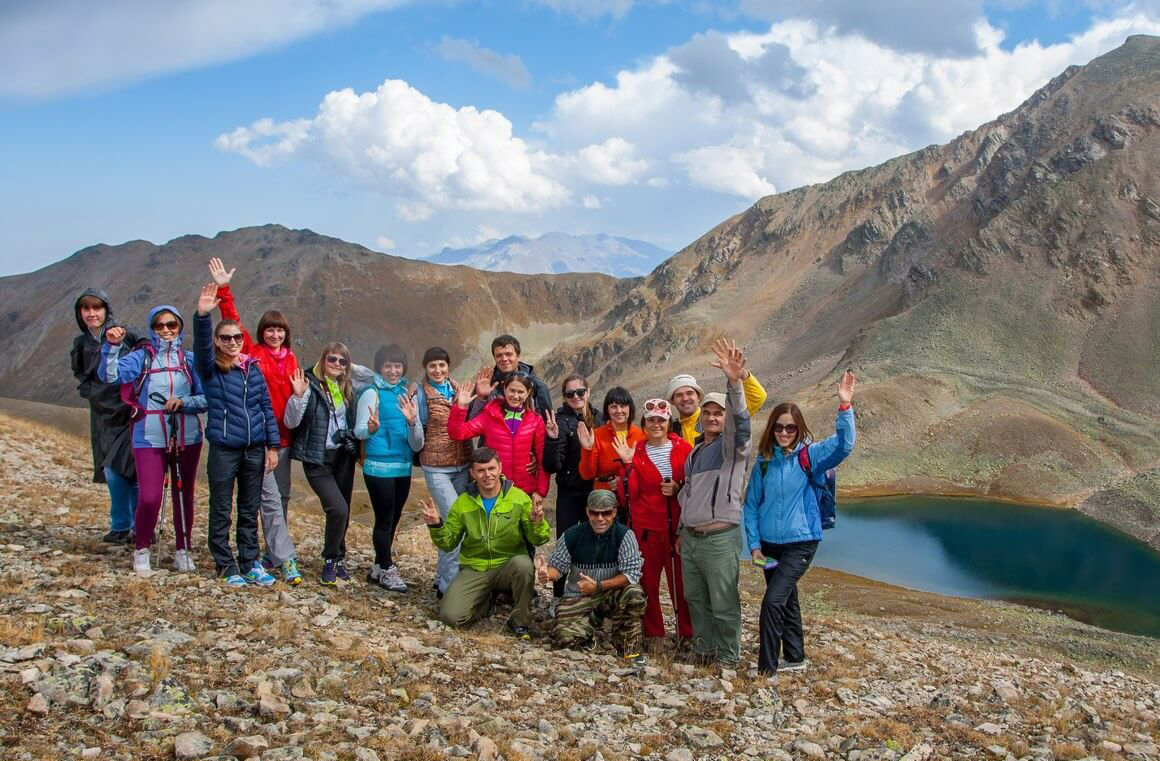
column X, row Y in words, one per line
column 677, row 492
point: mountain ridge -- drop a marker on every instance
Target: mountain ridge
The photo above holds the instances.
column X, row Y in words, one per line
column 558, row 253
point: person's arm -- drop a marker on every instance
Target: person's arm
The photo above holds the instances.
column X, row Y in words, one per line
column 462, row 429
column 448, row 532
column 543, row 398
column 361, row 375
column 116, row 367
column 553, row 453
column 203, row 338
column 560, row 561
column 416, row 436
column 295, row 409
column 629, row 561
column 229, row 311
column 536, row 532
column 736, row 424
column 589, row 458
column 754, row 494
column 830, row 452
column 76, row 360
column 754, row 393
column 194, row 402
column 367, row 405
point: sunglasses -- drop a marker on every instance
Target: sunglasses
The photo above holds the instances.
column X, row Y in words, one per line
column 335, row 359
column 230, row 338
column 575, row 393
column 657, row 405
column 167, row 325
column 789, row 428
column 602, row 513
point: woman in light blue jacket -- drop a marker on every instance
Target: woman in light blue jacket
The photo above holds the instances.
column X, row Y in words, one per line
column 782, row 520
column 387, row 421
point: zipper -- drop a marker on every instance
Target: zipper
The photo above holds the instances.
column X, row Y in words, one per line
column 713, row 499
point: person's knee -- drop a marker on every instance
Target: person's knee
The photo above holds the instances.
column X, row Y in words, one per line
column 455, row 616
column 521, row 564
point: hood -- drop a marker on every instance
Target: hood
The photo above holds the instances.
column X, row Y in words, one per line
column 156, row 341
column 100, row 295
column 381, row 383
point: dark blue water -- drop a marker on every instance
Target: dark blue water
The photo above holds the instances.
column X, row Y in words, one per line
column 1052, row 558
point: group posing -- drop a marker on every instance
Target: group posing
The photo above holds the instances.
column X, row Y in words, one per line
column 677, row 491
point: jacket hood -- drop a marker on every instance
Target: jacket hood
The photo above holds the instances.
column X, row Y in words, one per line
column 153, row 337
column 104, row 297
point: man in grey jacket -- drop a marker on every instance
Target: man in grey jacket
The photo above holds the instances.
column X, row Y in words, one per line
column 711, row 501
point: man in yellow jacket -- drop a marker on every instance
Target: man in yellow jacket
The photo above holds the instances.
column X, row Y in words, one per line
column 686, row 395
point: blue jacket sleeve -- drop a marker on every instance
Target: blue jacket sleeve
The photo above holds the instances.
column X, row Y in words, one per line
column 273, row 435
column 115, row 367
column 194, row 403
column 203, row 336
column 830, row 452
column 751, row 511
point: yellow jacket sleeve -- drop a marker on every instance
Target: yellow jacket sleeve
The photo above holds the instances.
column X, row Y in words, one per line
column 754, row 394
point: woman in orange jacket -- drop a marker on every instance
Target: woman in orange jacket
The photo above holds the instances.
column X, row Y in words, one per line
column 599, row 460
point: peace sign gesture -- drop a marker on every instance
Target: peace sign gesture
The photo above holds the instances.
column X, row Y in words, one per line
column 623, row 451
column 585, row 436
column 298, row 382
column 429, row 512
column 551, row 427
column 373, row 421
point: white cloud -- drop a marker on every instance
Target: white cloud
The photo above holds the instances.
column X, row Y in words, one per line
column 54, row 47
column 508, row 68
column 384, row 243
column 264, row 140
column 589, row 9
column 590, row 202
column 612, row 162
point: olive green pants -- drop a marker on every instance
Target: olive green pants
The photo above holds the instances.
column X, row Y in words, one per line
column 469, row 595
column 710, row 570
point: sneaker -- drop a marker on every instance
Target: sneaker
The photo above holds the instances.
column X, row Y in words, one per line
column 141, row 562
column 390, row 579
column 792, row 665
column 340, row 571
column 258, row 575
column 520, row 632
column 234, row 580
column 374, row 574
column 183, row 561
column 329, row 575
column 267, row 563
column 634, row 660
column 116, row 537
column 290, row 573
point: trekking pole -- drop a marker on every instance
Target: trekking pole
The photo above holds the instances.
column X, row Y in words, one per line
column 179, row 496
column 156, row 543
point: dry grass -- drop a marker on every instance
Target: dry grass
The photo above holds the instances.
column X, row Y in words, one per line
column 158, row 665
column 17, row 631
column 1069, row 750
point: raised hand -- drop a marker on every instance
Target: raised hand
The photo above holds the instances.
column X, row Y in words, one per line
column 298, row 382
column 542, row 575
column 429, row 512
column 373, row 422
column 730, row 359
column 551, row 427
column 464, row 394
column 409, row 409
column 207, row 300
column 585, row 436
column 217, row 271
column 846, row 388
column 537, row 508
column 623, row 451
column 586, row 584
column 115, row 335
column 483, row 384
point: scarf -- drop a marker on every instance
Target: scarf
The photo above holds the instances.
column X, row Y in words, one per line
column 512, row 418
column 445, row 388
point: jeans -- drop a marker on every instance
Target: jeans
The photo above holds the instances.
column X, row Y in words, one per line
column 781, row 615
column 224, row 466
column 445, row 485
column 711, row 572
column 333, row 482
column 388, row 495
column 122, row 500
column 152, row 467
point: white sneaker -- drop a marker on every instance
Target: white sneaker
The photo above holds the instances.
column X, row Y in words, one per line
column 183, row 561
column 141, row 562
column 392, row 580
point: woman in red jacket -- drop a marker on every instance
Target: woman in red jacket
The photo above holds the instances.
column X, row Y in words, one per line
column 510, row 426
column 277, row 363
column 653, row 478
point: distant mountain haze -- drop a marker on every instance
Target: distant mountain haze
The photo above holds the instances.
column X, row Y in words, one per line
column 558, row 253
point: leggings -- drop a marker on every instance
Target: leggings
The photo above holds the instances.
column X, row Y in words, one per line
column 152, row 466
column 388, row 495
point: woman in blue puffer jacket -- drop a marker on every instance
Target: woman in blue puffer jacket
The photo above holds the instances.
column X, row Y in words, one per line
column 783, row 523
column 387, row 421
column 243, row 441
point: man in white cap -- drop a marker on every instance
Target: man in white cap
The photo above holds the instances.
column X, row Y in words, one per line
column 686, row 395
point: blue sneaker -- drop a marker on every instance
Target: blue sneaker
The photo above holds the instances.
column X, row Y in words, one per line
column 340, row 571
column 258, row 575
column 234, row 580
column 290, row 573
column 329, row 576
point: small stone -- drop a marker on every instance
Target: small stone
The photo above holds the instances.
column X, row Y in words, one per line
column 365, row 754
column 989, row 728
column 29, row 675
column 809, row 749
column 703, row 738
column 486, row 749
column 192, row 745
column 93, row 752
column 1006, row 692
column 920, row 752
column 272, row 705
column 38, row 705
column 679, row 754
column 1110, row 746
column 250, row 745
column 101, row 691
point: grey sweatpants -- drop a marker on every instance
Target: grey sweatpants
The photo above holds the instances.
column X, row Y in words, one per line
column 279, row 546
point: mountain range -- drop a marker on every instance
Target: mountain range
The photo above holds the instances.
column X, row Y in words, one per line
column 558, row 253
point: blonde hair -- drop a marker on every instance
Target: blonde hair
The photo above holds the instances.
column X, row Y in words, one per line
column 343, row 380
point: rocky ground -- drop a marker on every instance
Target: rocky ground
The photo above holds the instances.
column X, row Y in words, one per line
column 95, row 662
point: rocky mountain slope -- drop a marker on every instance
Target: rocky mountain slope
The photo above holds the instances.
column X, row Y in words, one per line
column 557, row 253
column 328, row 289
column 97, row 663
column 998, row 296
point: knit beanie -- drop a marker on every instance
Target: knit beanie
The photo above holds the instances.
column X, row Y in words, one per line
column 682, row 380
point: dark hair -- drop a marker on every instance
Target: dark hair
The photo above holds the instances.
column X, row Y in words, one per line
column 273, row 319
column 391, row 352
column 505, row 340
column 589, row 418
column 619, row 395
column 436, row 353
column 92, row 302
column 768, row 442
column 224, row 363
column 483, row 455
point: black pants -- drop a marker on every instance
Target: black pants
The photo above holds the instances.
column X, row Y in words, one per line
column 388, row 495
column 570, row 510
column 781, row 615
column 333, row 481
column 224, row 466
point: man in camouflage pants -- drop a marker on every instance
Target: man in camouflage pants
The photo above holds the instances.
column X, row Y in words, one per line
column 601, row 563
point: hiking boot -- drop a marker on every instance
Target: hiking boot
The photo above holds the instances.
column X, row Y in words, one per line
column 374, row 574
column 520, row 632
column 141, row 562
column 390, row 579
column 258, row 575
column 340, row 571
column 117, row 537
column 235, row 580
column 329, row 575
column 290, row 573
column 183, row 561
column 634, row 660
column 792, row 665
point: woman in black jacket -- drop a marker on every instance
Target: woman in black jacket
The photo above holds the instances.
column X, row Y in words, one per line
column 562, row 457
column 320, row 412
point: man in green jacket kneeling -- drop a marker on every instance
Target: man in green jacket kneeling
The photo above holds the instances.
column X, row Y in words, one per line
column 493, row 519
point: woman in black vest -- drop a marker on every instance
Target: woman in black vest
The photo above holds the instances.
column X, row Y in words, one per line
column 320, row 412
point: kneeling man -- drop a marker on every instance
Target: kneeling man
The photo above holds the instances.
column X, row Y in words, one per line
column 602, row 563
column 492, row 518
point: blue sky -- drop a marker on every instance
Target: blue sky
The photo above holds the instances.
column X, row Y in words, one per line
column 408, row 126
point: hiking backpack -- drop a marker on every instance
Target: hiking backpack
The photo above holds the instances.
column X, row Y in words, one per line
column 131, row 390
column 825, row 488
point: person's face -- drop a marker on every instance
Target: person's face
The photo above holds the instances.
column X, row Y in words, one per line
column 274, row 337
column 506, row 358
column 785, row 436
column 392, row 371
column 656, row 428
column 685, row 399
column 618, row 413
column 334, row 365
column 229, row 340
column 601, row 520
column 437, row 370
column 712, row 418
column 515, row 394
column 93, row 315
column 166, row 325
column 486, row 475
column 575, row 400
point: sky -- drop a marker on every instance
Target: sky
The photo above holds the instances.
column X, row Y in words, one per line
column 411, row 125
